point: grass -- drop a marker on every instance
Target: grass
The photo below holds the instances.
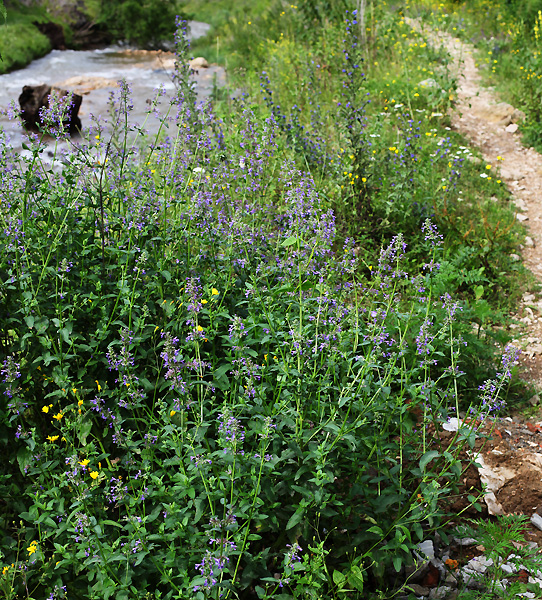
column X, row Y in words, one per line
column 20, row 40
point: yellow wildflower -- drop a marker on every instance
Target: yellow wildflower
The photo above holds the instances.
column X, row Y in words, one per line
column 172, row 412
column 84, row 462
column 52, row 438
column 58, row 416
column 32, row 548
column 214, row 292
column 94, row 474
column 45, row 409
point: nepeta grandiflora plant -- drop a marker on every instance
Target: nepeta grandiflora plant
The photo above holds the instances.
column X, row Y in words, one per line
column 204, row 398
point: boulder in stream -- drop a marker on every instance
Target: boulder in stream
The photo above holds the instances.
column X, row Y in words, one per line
column 36, row 98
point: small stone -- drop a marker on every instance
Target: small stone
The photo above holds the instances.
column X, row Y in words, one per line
column 529, row 242
column 508, row 569
column 480, row 564
column 429, row 83
column 512, row 128
column 515, row 257
column 450, row 580
column 198, row 63
column 427, row 549
column 468, row 541
column 534, row 400
column 419, row 590
column 536, row 520
column 522, row 218
column 439, row 593
column 471, row 578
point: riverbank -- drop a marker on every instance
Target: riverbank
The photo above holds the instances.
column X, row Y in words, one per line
column 31, row 32
column 21, row 41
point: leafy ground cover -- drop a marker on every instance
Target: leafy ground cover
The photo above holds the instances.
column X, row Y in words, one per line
column 223, row 346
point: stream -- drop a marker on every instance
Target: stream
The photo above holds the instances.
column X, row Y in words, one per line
column 94, row 74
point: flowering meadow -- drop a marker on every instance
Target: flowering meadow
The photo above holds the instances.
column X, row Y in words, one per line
column 226, row 347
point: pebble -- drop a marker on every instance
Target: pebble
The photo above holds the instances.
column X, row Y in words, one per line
column 468, row 541
column 439, row 592
column 536, row 520
column 419, row 590
column 427, row 549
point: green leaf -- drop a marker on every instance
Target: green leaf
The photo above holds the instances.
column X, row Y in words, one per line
column 355, row 578
column 200, row 507
column 339, row 579
column 427, row 458
column 65, row 332
column 289, row 241
column 24, row 458
column 296, row 517
column 84, row 430
column 479, row 291
column 397, row 562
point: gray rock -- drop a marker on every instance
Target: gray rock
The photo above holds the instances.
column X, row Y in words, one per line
column 439, row 592
column 429, row 83
column 419, row 590
column 536, row 520
column 529, row 242
column 450, row 580
column 480, row 564
column 508, row 568
column 199, row 63
column 468, row 541
column 427, row 549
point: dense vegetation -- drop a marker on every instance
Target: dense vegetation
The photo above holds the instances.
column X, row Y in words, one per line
column 225, row 348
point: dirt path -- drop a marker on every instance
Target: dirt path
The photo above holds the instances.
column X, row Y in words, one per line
column 490, row 125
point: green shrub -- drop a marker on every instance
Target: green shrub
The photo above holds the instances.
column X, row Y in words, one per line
column 20, row 43
column 146, row 23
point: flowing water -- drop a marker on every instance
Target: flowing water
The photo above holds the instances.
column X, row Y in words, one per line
column 95, row 74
